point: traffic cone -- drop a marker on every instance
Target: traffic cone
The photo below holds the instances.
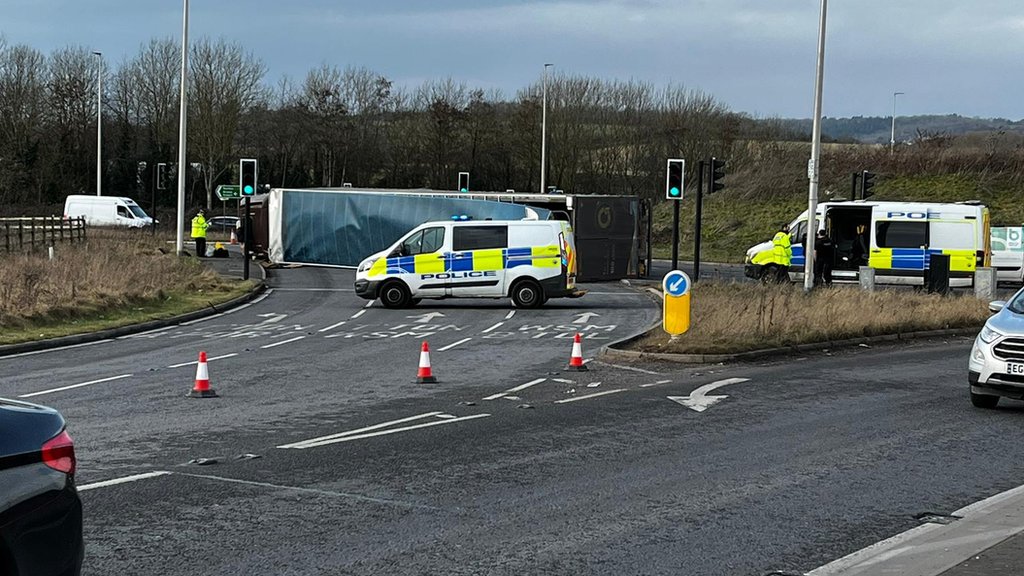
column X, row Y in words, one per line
column 424, row 375
column 202, row 388
column 576, row 360
column 234, row 239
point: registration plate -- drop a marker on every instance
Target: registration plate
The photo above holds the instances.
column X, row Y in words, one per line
column 1014, row 368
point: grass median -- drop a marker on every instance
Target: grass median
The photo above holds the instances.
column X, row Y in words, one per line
column 116, row 278
column 739, row 317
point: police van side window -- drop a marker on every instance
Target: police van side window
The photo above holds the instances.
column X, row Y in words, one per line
column 465, row 238
column 895, row 234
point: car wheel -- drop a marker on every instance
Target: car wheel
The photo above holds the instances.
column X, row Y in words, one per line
column 394, row 295
column 984, row 400
column 527, row 294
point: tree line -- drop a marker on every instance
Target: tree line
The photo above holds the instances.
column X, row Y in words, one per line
column 338, row 125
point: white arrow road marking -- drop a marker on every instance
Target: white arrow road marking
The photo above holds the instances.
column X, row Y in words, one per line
column 425, row 318
column 63, row 388
column 272, row 318
column 516, row 389
column 584, row 317
column 699, row 401
column 353, row 435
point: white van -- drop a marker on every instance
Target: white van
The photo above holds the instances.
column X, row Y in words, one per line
column 896, row 239
column 527, row 260
column 106, row 211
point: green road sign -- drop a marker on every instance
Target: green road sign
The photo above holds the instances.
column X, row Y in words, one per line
column 228, row 192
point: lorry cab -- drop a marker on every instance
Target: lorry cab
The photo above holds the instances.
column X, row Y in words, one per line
column 896, row 239
column 529, row 261
column 106, row 211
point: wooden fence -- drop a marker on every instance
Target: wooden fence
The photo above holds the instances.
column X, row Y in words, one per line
column 27, row 233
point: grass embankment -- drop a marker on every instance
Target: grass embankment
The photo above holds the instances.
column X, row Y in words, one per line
column 115, row 279
column 734, row 317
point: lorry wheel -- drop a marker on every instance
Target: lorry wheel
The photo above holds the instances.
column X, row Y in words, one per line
column 527, row 294
column 394, row 295
column 984, row 400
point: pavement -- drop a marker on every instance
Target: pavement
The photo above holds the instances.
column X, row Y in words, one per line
column 322, row 456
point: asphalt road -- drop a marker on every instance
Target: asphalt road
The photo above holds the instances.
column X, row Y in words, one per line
column 511, row 464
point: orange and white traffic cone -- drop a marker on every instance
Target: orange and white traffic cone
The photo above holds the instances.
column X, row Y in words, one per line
column 202, row 387
column 424, row 375
column 576, row 360
column 234, row 238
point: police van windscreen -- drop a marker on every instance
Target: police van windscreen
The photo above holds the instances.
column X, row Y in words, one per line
column 466, row 238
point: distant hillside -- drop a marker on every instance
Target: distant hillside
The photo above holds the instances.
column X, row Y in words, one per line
column 876, row 129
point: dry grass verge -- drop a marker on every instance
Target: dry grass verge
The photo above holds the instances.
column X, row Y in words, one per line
column 738, row 317
column 114, row 279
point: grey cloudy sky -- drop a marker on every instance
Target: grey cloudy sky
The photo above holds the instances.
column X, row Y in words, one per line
column 757, row 56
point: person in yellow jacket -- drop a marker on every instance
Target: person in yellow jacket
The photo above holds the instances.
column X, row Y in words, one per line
column 782, row 252
column 199, row 226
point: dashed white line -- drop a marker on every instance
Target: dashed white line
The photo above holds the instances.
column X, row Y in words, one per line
column 516, row 389
column 332, row 326
column 73, row 386
column 358, row 314
column 368, row 304
column 454, row 344
column 194, row 362
column 492, row 328
column 125, row 480
column 360, row 430
column 510, row 315
column 283, row 342
column 655, row 383
column 605, row 393
column 389, row 431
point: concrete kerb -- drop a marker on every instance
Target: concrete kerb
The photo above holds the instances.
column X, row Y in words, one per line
column 613, row 350
column 35, row 346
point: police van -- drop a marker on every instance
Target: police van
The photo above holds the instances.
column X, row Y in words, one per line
column 529, row 261
column 895, row 238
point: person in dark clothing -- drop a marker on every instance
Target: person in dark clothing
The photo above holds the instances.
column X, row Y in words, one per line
column 824, row 258
column 860, row 247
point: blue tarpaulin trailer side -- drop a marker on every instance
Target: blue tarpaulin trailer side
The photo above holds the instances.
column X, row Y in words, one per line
column 342, row 227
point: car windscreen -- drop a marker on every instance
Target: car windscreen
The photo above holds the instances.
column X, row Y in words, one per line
column 1016, row 304
column 137, row 211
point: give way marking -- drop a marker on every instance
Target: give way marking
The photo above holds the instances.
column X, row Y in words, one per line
column 699, row 401
column 383, row 429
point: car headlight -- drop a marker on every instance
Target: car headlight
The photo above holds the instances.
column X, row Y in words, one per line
column 988, row 335
column 367, row 264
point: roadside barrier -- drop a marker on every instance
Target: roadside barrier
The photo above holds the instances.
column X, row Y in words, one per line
column 425, row 375
column 202, row 387
column 576, row 360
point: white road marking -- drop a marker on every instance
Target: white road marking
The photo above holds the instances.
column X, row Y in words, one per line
column 367, row 429
column 631, row 368
column 516, row 389
column 358, row 314
column 194, row 362
column 699, row 401
column 605, row 393
column 584, row 317
column 391, row 431
column 564, row 381
column 492, row 328
column 426, row 318
column 57, row 349
column 332, row 326
column 272, row 318
column 655, row 383
column 510, row 315
column 63, row 388
column 454, row 344
column 124, row 480
column 368, row 304
column 146, row 333
column 283, row 342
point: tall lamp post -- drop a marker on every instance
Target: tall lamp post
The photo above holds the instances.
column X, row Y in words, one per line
column 892, row 137
column 812, row 166
column 99, row 123
column 544, row 133
column 180, row 243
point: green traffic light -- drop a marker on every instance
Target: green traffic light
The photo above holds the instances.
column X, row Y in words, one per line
column 465, row 190
column 674, row 191
column 247, row 189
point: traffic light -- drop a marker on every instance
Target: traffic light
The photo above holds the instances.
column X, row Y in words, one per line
column 674, row 179
column 717, row 173
column 161, row 176
column 247, row 169
column 463, row 181
column 867, row 182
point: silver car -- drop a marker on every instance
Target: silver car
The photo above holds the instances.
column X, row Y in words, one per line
column 996, row 366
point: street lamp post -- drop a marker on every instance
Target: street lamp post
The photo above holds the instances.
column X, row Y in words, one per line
column 544, row 133
column 180, row 242
column 813, row 168
column 892, row 137
column 99, row 123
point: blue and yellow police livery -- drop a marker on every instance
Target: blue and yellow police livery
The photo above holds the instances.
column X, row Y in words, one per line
column 529, row 261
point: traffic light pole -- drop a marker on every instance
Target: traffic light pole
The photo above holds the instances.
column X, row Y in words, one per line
column 697, row 221
column 246, row 234
column 675, row 235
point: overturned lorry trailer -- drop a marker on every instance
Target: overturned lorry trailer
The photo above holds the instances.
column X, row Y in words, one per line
column 341, row 226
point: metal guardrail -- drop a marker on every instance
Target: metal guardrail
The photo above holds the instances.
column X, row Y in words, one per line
column 28, row 232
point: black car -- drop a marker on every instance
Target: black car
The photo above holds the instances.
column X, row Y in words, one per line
column 40, row 512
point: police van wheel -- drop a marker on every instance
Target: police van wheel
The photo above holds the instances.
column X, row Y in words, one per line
column 394, row 295
column 527, row 294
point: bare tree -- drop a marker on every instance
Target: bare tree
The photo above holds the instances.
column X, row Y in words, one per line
column 22, row 100
column 71, row 99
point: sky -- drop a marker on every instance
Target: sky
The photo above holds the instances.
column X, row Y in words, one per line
column 755, row 56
